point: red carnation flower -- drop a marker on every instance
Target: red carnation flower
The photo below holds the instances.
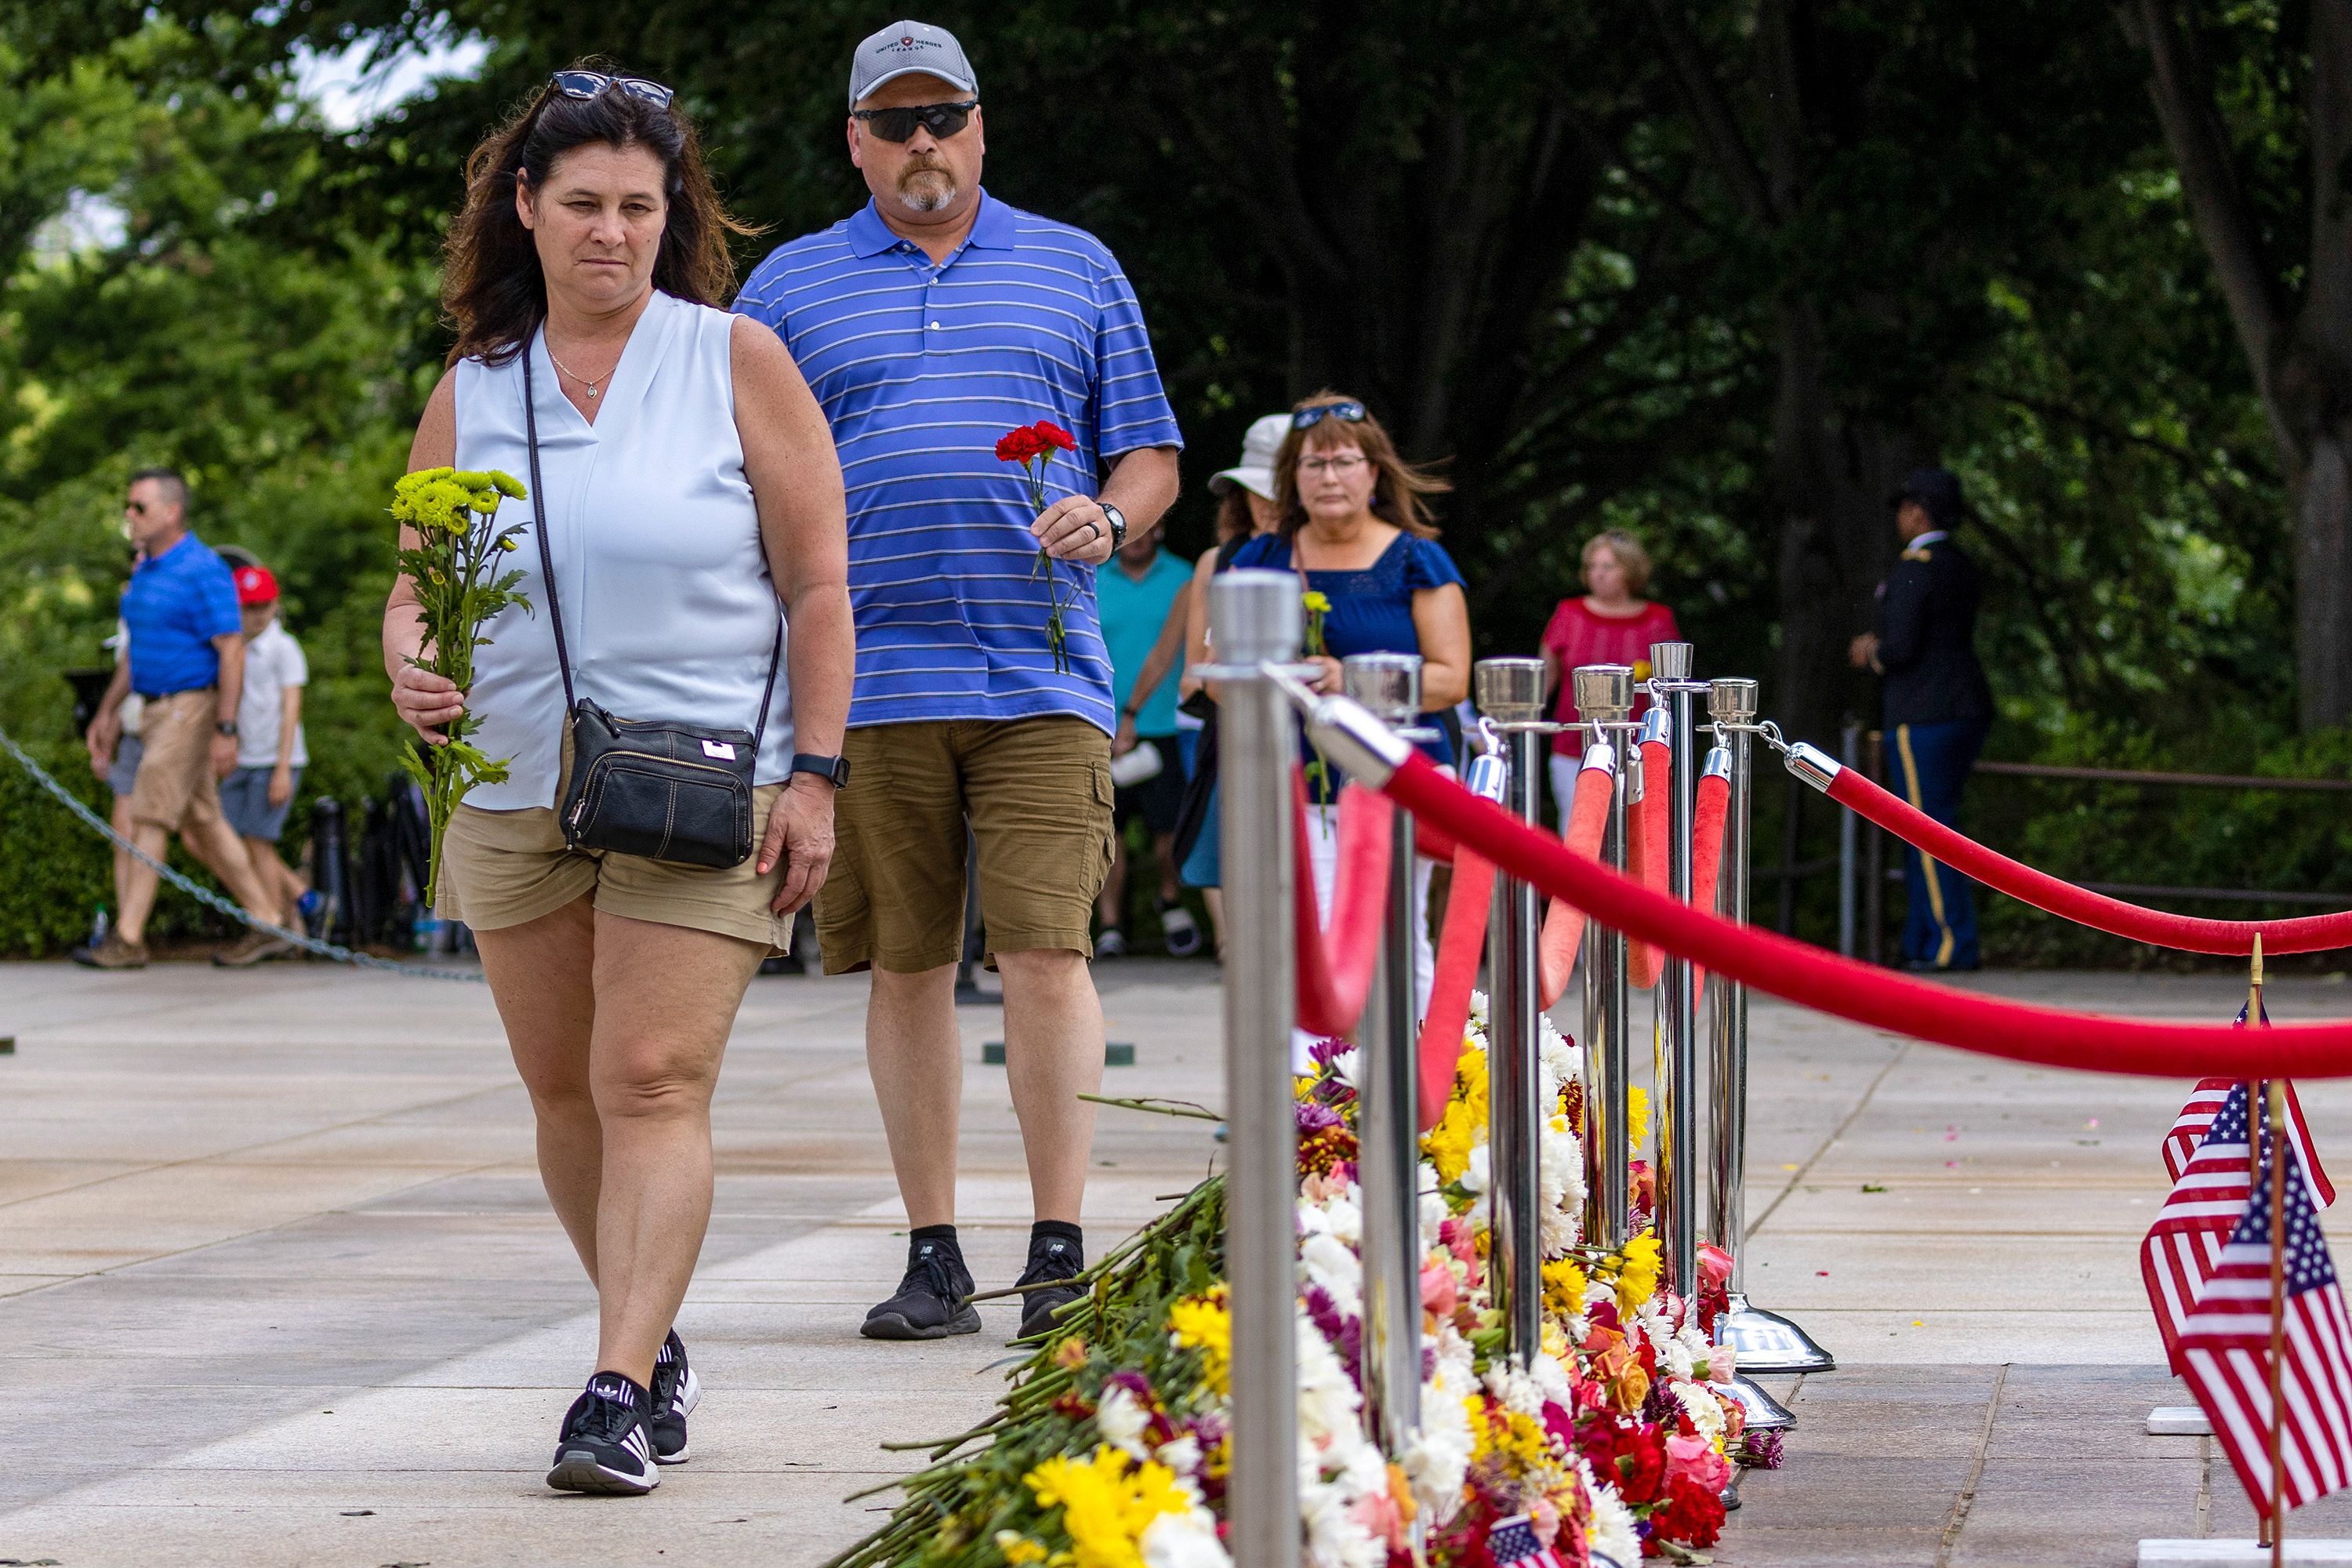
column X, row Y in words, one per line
column 1051, row 435
column 1691, row 1515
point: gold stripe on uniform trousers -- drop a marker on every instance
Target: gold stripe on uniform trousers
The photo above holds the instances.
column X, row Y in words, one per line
column 1935, row 888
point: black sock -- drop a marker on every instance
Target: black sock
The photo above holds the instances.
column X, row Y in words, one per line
column 923, row 1233
column 1046, row 1230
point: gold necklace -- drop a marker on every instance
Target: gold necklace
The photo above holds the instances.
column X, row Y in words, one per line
column 584, row 381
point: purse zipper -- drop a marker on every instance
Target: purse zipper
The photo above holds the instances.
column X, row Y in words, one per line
column 580, row 805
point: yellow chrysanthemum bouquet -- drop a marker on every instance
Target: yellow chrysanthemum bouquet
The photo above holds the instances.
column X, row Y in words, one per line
column 454, row 567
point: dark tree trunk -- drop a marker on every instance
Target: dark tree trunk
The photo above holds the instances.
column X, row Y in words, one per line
column 2298, row 352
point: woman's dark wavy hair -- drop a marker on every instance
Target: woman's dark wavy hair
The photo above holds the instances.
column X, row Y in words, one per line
column 491, row 285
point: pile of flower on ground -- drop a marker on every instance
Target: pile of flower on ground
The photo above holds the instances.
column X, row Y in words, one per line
column 1110, row 1450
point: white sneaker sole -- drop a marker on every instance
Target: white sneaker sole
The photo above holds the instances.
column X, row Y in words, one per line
column 578, row 1470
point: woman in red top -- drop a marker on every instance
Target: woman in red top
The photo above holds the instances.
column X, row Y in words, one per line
column 1610, row 624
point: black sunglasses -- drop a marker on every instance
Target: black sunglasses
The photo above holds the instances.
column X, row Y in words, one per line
column 584, row 85
column 1307, row 418
column 941, row 119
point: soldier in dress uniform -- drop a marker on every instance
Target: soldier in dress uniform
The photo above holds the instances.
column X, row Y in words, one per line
column 1938, row 705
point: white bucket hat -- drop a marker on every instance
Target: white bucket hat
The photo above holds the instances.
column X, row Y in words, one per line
column 1256, row 470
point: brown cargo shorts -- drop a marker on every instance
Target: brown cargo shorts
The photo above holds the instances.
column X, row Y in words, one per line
column 1039, row 794
column 175, row 787
column 502, row 869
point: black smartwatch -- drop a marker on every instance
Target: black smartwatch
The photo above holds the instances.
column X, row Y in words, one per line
column 835, row 771
column 1117, row 520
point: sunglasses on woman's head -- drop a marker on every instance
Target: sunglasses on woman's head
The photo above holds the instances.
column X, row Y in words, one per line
column 1307, row 418
column 941, row 119
column 585, row 85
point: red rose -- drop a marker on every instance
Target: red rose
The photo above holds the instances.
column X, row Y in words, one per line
column 1050, row 435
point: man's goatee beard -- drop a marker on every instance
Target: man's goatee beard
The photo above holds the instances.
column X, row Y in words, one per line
column 927, row 190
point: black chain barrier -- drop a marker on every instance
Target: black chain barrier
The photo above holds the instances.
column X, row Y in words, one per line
column 212, row 900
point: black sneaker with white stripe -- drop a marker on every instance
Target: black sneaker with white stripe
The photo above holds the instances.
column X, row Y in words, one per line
column 677, row 1391
column 607, row 1445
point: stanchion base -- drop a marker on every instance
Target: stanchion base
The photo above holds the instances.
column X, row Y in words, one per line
column 1765, row 1413
column 2238, row 1554
column 1768, row 1342
column 2179, row 1421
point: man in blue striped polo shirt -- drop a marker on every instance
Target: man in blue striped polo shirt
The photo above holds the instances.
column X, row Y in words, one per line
column 929, row 324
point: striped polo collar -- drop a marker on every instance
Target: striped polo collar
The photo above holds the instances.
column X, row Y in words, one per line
column 992, row 229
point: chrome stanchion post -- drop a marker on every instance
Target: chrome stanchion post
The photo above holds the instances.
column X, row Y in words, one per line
column 1604, row 695
column 1762, row 1342
column 1731, row 703
column 1849, row 869
column 1510, row 697
column 1672, row 688
column 1255, row 617
column 1389, row 1156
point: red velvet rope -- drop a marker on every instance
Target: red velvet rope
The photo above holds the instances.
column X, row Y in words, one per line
column 1706, row 852
column 1563, row 927
column 2308, row 933
column 1646, row 849
column 1459, row 943
column 1335, row 965
column 1799, row 973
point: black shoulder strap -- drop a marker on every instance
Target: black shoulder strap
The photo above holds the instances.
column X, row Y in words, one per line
column 538, row 513
column 547, row 571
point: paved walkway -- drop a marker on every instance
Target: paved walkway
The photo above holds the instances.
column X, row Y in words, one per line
column 277, row 1285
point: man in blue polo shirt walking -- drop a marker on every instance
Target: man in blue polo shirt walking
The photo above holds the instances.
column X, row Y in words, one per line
column 187, row 664
column 929, row 324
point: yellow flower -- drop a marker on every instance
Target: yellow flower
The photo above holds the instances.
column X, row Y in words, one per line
column 1018, row 1549
column 1637, row 1272
column 1317, row 604
column 1564, row 1285
column 1448, row 1145
column 1498, row 1430
column 1637, row 1114
column 1105, row 1508
column 1204, row 1324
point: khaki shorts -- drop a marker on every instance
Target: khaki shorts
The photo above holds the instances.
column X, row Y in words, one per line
column 501, row 869
column 175, row 787
column 1039, row 794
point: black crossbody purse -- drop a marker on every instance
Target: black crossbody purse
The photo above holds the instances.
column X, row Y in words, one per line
column 652, row 788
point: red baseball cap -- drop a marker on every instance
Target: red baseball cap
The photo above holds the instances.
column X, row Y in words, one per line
column 255, row 585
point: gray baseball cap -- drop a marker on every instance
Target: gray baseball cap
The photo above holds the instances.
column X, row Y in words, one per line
column 909, row 48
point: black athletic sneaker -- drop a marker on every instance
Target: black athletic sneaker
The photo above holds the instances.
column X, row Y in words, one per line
column 1050, row 1257
column 677, row 1391
column 606, row 1446
column 931, row 1300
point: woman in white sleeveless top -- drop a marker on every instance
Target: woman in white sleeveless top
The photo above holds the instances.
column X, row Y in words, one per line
column 691, row 495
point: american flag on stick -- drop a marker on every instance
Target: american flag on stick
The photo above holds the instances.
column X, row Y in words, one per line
column 2208, row 1199
column 2226, row 1347
column 1512, row 1544
column 2189, row 1127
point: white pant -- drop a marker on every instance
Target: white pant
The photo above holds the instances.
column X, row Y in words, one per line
column 1564, row 769
column 1323, row 851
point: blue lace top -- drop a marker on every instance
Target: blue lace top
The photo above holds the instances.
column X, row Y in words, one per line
column 1372, row 610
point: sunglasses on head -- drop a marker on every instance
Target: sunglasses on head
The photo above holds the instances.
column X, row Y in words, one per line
column 586, row 84
column 941, row 119
column 1307, row 418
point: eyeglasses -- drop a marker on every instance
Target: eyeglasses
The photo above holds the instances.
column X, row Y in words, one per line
column 1307, row 418
column 941, row 119
column 1338, row 465
column 586, row 84
column 138, row 506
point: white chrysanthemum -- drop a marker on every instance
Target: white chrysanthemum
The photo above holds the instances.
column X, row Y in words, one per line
column 1478, row 1023
column 1327, row 1400
column 1439, row 1456
column 1182, row 1455
column 1434, row 1210
column 1550, row 1379
column 1706, row 1411
column 1561, row 1062
column 1609, row 1538
column 1187, row 1539
column 1561, row 1209
column 1474, row 1176
column 1332, row 1264
column 1344, row 1065
column 1121, row 1418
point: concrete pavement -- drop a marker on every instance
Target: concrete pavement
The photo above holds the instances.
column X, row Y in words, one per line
column 277, row 1285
